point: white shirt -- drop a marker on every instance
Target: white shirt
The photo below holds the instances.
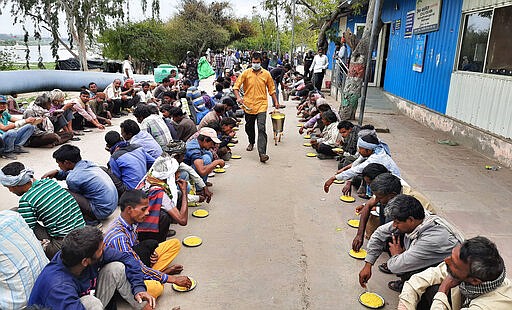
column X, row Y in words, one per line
column 127, row 65
column 145, row 97
column 320, row 62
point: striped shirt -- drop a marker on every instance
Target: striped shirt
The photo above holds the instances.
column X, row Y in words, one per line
column 48, row 202
column 155, row 125
column 21, row 260
column 123, row 237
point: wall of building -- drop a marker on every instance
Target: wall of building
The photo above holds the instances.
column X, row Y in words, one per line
column 430, row 87
column 470, row 5
column 351, row 22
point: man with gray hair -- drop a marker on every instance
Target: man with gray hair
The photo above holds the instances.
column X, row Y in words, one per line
column 417, row 241
column 472, row 277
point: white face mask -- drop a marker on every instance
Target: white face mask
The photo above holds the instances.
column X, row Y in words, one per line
column 256, row 66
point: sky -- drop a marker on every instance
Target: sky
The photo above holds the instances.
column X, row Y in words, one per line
column 241, row 8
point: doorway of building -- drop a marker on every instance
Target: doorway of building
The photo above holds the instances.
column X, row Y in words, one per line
column 387, row 32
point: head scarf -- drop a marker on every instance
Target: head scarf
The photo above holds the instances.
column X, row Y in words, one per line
column 129, row 81
column 25, row 176
column 165, row 168
column 175, row 147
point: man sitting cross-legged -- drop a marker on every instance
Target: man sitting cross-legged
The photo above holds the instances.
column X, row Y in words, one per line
column 86, row 274
column 154, row 259
column 427, row 240
column 45, row 201
column 472, row 277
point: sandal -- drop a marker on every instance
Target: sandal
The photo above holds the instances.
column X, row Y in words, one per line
column 396, row 286
column 384, row 268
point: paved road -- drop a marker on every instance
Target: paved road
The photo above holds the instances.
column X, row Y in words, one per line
column 275, row 240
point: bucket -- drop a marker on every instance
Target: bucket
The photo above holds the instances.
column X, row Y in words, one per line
column 278, row 122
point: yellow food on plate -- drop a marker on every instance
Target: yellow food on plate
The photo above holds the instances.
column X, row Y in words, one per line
column 307, row 144
column 299, row 125
column 200, row 213
column 235, row 128
column 307, row 137
column 236, row 156
column 337, row 150
column 351, row 223
column 359, row 255
column 219, row 170
column 231, row 144
column 371, row 300
column 192, row 241
column 347, row 198
column 184, row 289
column 339, row 181
column 311, row 154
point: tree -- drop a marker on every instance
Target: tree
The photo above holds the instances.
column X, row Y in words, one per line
column 147, row 42
column 357, row 67
column 83, row 18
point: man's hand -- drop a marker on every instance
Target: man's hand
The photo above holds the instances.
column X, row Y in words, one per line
column 448, row 283
column 301, row 130
column 30, row 120
column 145, row 296
column 360, row 208
column 100, row 126
column 365, row 274
column 207, row 194
column 220, row 162
column 328, row 184
column 50, row 174
column 394, row 246
column 182, row 185
column 357, row 242
column 347, row 189
column 154, row 258
column 182, row 281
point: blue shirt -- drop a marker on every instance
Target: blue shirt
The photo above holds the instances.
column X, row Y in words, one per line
column 194, row 151
column 21, row 260
column 130, row 163
column 146, row 140
column 57, row 288
column 90, row 181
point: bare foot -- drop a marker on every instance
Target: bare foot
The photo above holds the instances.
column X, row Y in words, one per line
column 174, row 269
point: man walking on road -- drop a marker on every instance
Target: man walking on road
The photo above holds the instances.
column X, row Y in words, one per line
column 256, row 82
column 318, row 67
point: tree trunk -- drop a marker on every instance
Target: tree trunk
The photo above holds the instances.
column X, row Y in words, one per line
column 82, row 52
column 357, row 66
column 322, row 39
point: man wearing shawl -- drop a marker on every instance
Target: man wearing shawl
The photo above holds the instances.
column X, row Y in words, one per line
column 154, row 258
column 472, row 277
column 43, row 201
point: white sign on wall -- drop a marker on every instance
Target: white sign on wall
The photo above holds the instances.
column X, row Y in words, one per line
column 427, row 16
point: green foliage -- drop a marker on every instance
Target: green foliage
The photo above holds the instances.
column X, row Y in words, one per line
column 6, row 61
column 146, row 41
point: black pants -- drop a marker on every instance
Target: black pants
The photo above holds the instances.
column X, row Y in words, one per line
column 163, row 228
column 325, row 149
column 260, row 119
column 319, row 79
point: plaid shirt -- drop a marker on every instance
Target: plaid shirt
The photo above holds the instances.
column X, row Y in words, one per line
column 219, row 61
column 156, row 126
column 123, row 237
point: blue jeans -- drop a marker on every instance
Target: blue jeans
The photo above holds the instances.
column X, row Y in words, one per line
column 17, row 137
column 195, row 83
column 218, row 72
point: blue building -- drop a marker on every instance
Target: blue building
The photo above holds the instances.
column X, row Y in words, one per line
column 448, row 65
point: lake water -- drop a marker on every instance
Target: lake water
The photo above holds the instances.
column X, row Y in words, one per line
column 18, row 53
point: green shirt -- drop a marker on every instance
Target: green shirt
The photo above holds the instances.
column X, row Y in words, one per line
column 6, row 117
column 48, row 202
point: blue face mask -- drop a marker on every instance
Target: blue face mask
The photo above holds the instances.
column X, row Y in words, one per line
column 256, row 66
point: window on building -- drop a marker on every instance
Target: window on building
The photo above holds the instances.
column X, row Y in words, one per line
column 474, row 41
column 486, row 42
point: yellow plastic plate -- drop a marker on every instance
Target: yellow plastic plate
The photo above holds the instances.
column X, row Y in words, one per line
column 311, row 154
column 337, row 150
column 236, row 157
column 219, row 170
column 231, row 144
column 358, row 255
column 203, row 213
column 307, row 137
column 235, row 128
column 192, row 241
column 351, row 223
column 338, row 181
column 371, row 300
column 299, row 125
column 184, row 289
column 347, row 198
column 307, row 144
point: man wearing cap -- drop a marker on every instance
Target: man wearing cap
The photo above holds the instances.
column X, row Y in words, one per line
column 15, row 132
column 198, row 154
column 256, row 82
column 43, row 201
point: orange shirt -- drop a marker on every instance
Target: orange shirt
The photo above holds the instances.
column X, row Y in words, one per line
column 255, row 85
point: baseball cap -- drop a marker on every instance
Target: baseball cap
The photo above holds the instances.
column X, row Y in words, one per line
column 209, row 132
column 3, row 99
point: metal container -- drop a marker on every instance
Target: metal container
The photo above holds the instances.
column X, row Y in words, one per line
column 278, row 122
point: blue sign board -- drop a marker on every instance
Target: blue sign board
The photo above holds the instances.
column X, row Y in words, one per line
column 419, row 52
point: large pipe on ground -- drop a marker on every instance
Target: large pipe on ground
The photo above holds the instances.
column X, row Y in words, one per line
column 25, row 81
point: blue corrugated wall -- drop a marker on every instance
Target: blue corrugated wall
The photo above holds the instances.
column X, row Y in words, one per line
column 429, row 88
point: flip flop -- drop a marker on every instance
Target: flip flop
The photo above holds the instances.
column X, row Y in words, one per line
column 396, row 286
